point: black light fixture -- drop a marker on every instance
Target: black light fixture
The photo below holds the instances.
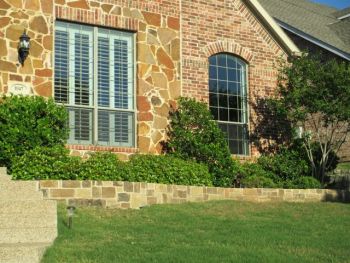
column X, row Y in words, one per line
column 23, row 47
column 70, row 213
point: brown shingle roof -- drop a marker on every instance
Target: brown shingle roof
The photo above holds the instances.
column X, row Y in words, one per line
column 316, row 20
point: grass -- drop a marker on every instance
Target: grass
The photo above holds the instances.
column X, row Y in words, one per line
column 220, row 231
column 344, row 166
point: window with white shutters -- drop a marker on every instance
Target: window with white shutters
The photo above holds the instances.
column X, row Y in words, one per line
column 94, row 79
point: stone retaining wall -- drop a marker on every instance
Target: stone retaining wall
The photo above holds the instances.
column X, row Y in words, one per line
column 135, row 195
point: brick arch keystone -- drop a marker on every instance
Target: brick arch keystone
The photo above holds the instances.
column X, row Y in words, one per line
column 230, row 47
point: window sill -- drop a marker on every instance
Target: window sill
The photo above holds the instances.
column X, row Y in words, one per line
column 101, row 148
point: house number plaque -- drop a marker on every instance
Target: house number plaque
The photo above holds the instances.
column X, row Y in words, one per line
column 16, row 88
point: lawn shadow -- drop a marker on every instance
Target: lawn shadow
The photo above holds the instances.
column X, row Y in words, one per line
column 340, row 196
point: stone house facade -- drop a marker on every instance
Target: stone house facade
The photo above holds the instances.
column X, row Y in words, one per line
column 120, row 65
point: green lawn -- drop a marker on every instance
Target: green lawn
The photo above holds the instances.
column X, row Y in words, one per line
column 344, row 166
column 222, row 231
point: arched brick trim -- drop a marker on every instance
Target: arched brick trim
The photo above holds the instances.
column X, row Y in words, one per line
column 230, row 47
column 96, row 17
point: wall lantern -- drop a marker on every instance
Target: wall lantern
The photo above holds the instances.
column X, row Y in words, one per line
column 23, row 47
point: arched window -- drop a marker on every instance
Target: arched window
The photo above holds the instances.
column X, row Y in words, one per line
column 228, row 99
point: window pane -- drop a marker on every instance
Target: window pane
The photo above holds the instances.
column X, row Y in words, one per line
column 82, row 72
column 221, row 60
column 103, row 72
column 233, row 88
column 233, row 102
column 124, row 126
column 223, row 100
column 222, row 87
column 223, row 114
column 231, row 62
column 80, row 125
column 213, row 99
column 213, row 86
column 214, row 111
column 61, row 67
column 121, row 86
column 232, row 74
column 234, row 148
column 222, row 73
column 213, row 74
column 234, row 116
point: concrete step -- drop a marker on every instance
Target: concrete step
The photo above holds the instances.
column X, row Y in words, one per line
column 22, row 253
column 31, row 220
column 20, row 190
column 28, row 207
column 28, row 235
column 28, row 221
column 3, row 175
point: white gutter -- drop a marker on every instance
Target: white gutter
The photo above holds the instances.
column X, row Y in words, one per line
column 343, row 17
column 286, row 42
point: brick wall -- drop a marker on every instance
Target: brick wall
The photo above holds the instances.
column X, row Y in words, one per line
column 135, row 195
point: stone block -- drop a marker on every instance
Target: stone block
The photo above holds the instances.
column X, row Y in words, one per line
column 128, row 187
column 108, row 192
column 71, row 184
column 125, row 205
column 107, row 183
column 62, row 193
column 86, row 184
column 96, row 192
column 48, row 184
column 150, row 192
column 212, row 190
column 123, row 197
column 151, row 200
column 83, row 193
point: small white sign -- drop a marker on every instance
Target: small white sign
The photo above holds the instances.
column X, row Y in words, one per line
column 20, row 88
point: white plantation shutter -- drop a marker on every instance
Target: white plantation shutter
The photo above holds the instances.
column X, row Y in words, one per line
column 100, row 83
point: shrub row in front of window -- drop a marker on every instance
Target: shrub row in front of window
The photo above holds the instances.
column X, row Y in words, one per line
column 55, row 163
column 33, row 133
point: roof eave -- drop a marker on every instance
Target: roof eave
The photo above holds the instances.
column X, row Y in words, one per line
column 286, row 43
column 314, row 40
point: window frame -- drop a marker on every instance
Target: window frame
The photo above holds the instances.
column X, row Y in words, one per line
column 94, row 107
column 245, row 123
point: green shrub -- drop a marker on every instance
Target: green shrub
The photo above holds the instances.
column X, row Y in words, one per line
column 28, row 122
column 45, row 163
column 288, row 164
column 306, row 182
column 248, row 169
column 101, row 166
column 166, row 170
column 257, row 181
column 193, row 135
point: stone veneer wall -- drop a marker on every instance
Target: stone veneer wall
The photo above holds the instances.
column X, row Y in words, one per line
column 156, row 25
column 136, row 195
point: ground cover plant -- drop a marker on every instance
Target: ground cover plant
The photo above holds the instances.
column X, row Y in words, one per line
column 220, row 231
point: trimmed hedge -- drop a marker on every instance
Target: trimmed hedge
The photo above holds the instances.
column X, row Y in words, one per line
column 55, row 163
column 167, row 170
